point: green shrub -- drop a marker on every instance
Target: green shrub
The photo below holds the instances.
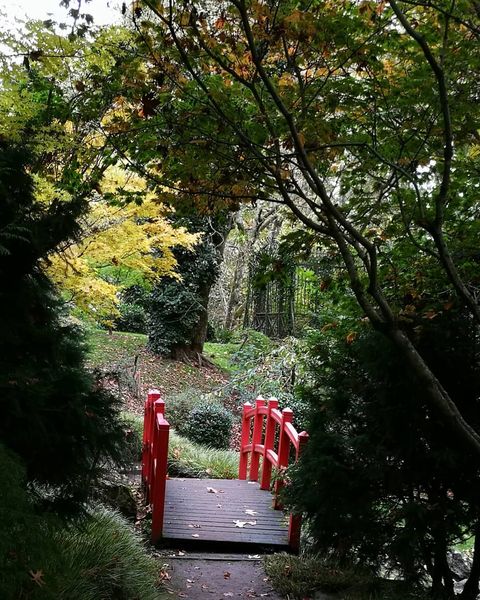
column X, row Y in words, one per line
column 54, row 415
column 187, row 459
column 133, row 318
column 377, row 481
column 301, row 576
column 219, row 334
column 210, row 425
column 94, row 557
column 179, row 407
column 253, row 345
column 269, row 369
column 25, row 540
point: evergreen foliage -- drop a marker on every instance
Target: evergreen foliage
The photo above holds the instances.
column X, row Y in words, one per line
column 178, row 307
column 23, row 543
column 209, row 424
column 186, row 458
column 42, row 558
column 52, row 413
column 180, row 406
column 379, row 481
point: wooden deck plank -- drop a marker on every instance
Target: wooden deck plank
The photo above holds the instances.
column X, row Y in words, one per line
column 189, row 502
column 202, row 519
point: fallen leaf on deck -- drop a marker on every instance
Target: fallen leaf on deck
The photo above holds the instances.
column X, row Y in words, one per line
column 211, row 490
column 190, row 581
column 195, row 535
column 250, row 512
column 219, row 506
column 228, row 594
column 180, row 553
column 226, row 575
column 243, row 523
column 255, row 556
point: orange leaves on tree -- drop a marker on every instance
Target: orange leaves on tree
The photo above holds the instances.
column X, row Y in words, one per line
column 220, row 22
column 351, row 337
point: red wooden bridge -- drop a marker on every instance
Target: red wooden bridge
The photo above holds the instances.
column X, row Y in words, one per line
column 241, row 511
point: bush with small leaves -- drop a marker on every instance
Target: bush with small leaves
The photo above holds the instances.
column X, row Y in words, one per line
column 210, row 425
column 179, row 407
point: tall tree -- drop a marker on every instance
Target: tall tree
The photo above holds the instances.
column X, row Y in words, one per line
column 53, row 414
column 60, row 102
column 178, row 312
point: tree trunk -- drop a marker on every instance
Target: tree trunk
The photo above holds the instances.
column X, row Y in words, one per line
column 438, row 396
column 234, row 295
column 193, row 349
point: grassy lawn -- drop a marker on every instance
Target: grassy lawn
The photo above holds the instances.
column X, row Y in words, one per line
column 108, row 348
column 221, row 354
column 117, row 346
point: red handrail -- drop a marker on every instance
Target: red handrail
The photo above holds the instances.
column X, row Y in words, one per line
column 261, row 444
column 154, row 458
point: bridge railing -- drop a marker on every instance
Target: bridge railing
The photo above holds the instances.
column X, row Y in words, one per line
column 269, row 434
column 154, row 458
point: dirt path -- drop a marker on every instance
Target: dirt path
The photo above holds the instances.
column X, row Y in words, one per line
column 217, row 577
column 203, row 576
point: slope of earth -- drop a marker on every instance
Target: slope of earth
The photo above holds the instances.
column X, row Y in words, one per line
column 129, row 369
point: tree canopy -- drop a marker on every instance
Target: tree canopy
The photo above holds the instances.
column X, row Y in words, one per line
column 361, row 117
column 58, row 101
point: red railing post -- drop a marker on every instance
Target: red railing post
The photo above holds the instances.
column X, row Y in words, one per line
column 283, row 453
column 268, row 445
column 159, row 470
column 256, row 439
column 158, row 409
column 244, row 440
column 148, row 427
column 295, row 521
column 287, row 436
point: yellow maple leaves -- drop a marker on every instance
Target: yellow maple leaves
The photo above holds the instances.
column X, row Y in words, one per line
column 117, row 241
